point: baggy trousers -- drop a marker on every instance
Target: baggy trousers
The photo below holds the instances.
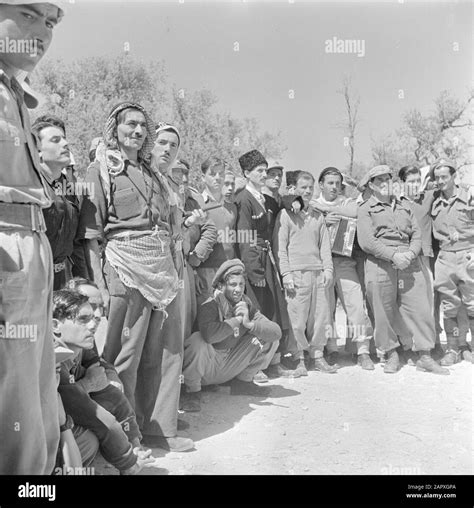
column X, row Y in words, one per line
column 206, row 365
column 309, row 313
column 147, row 354
column 349, row 292
column 29, row 422
column 397, row 295
column 455, row 285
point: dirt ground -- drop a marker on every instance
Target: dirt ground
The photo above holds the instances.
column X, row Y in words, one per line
column 353, row 422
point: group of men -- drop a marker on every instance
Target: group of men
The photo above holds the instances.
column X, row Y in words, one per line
column 233, row 285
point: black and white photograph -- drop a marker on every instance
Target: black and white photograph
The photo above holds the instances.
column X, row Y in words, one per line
column 237, row 239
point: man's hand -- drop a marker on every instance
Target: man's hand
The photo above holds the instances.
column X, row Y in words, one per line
column 332, row 218
column 96, row 378
column 327, row 279
column 194, row 260
column 242, row 309
column 197, row 217
column 260, row 284
column 402, row 260
column 296, row 207
column 289, row 285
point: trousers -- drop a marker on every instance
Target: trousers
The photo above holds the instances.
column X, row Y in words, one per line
column 29, row 424
column 399, row 296
column 109, row 416
column 309, row 313
column 147, row 352
column 206, row 365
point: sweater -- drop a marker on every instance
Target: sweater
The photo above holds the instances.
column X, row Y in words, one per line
column 301, row 242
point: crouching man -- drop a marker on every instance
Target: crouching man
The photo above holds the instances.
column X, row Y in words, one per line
column 86, row 393
column 235, row 340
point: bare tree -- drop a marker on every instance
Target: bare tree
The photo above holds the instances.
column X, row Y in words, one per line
column 351, row 101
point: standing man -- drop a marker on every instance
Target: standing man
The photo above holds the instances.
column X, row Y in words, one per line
column 256, row 215
column 273, row 182
column 302, row 244
column 453, row 227
column 62, row 216
column 28, row 396
column 396, row 285
column 219, row 183
column 130, row 215
column 346, row 280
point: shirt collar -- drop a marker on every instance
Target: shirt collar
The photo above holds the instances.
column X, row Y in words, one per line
column 257, row 195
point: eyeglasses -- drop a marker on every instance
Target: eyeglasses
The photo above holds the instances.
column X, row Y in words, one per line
column 84, row 319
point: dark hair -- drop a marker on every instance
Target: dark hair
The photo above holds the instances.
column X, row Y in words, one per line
column 329, row 171
column 78, row 282
column 304, row 174
column 66, row 303
column 45, row 121
column 211, row 162
column 291, row 177
column 408, row 170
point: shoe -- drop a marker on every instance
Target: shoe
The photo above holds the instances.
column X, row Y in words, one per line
column 427, row 364
column 239, row 387
column 392, row 363
column 191, row 402
column 450, row 358
column 332, row 358
column 466, row 353
column 365, row 361
column 321, row 365
column 171, row 444
column 278, row 370
column 182, row 424
column 301, row 369
column 260, row 377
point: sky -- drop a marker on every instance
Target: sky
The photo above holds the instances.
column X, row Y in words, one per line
column 282, row 74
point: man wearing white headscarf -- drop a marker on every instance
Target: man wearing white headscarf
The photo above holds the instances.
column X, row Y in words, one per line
column 130, row 215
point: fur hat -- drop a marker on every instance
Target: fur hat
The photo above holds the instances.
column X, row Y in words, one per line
column 250, row 160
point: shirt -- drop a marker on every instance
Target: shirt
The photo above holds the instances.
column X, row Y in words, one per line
column 383, row 227
column 301, row 241
column 257, row 195
column 453, row 220
column 225, row 219
column 21, row 180
column 136, row 203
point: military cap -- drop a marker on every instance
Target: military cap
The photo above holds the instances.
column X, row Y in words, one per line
column 228, row 267
column 372, row 173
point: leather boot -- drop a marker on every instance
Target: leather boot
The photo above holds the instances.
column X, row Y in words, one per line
column 365, row 361
column 392, row 363
column 427, row 364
